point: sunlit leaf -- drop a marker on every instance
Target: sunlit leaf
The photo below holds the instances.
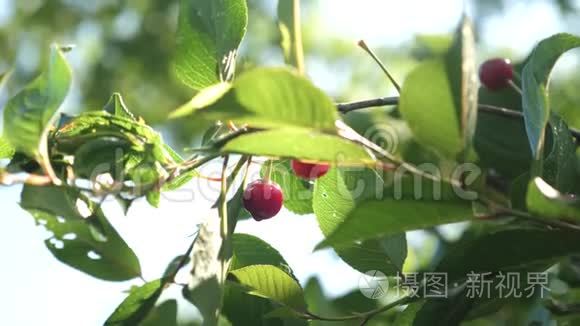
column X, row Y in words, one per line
column 268, row 98
column 335, row 196
column 545, row 201
column 301, row 144
column 209, row 33
column 403, row 204
column 27, row 115
column 272, row 283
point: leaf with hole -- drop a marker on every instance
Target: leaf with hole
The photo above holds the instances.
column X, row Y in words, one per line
column 72, row 219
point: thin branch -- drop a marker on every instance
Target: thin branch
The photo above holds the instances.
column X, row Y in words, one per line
column 385, row 101
column 366, row 316
column 352, row 106
column 364, row 46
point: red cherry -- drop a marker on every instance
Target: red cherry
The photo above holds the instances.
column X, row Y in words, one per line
column 263, row 199
column 496, row 73
column 309, row 171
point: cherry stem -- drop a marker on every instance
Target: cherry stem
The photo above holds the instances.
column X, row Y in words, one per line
column 364, row 46
column 515, row 87
column 269, row 171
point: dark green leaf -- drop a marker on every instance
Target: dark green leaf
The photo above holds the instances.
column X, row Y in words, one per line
column 301, row 144
column 535, row 80
column 164, row 314
column 297, row 192
column 249, row 250
column 137, row 305
column 502, row 144
column 559, row 164
column 101, row 155
column 253, row 311
column 495, row 251
column 266, row 98
column 67, row 214
column 272, row 283
column 27, row 115
column 407, row 317
column 209, row 33
column 545, row 201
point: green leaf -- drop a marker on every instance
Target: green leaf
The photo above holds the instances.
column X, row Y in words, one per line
column 137, row 305
column 266, row 98
column 164, row 314
column 407, row 316
column 116, row 106
column 250, row 250
column 559, row 167
column 101, row 155
column 253, row 311
column 405, row 203
column 427, row 104
column 297, row 192
column 290, row 33
column 439, row 98
column 208, row 35
column 72, row 220
column 545, row 201
column 335, row 196
column 6, row 150
column 300, row 144
column 28, row 114
column 462, row 72
column 272, row 283
column 535, row 80
column 502, row 144
column 495, row 251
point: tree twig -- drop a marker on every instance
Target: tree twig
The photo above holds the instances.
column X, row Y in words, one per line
column 386, row 101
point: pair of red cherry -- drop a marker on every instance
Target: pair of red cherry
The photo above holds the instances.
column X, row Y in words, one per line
column 264, row 198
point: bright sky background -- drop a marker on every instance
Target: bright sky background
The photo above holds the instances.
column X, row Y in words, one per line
column 36, row 287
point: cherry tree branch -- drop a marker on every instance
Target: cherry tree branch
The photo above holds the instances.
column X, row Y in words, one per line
column 388, row 101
